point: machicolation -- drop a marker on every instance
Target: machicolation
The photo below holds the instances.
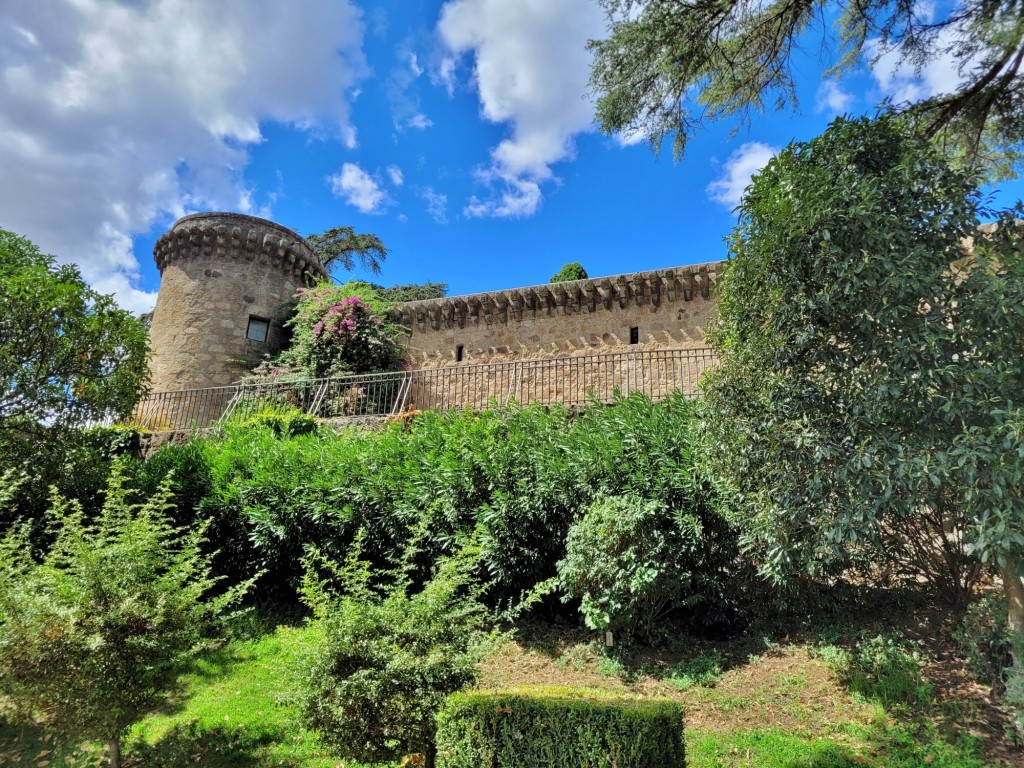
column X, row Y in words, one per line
column 223, row 278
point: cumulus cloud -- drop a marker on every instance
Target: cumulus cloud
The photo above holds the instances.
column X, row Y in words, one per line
column 437, row 205
column 396, row 176
column 358, row 188
column 120, row 115
column 530, row 71
column 739, row 168
column 832, row 98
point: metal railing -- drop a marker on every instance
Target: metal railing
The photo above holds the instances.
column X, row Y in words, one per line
column 567, row 381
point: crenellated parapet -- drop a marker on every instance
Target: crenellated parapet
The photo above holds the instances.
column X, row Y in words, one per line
column 578, row 297
column 237, row 237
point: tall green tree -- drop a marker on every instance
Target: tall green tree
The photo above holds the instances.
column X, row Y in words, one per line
column 97, row 633
column 571, row 271
column 871, row 365
column 68, row 355
column 667, row 68
column 344, row 246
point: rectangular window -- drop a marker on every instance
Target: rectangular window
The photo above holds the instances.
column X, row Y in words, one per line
column 634, row 335
column 258, row 329
column 459, row 353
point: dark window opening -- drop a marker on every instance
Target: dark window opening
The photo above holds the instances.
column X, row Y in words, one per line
column 258, row 329
column 634, row 335
column 460, row 352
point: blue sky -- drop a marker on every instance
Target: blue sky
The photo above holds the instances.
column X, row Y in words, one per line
column 459, row 132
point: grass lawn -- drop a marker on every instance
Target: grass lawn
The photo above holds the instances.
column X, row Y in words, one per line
column 781, row 708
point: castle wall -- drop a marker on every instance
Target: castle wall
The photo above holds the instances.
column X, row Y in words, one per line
column 218, row 271
column 669, row 309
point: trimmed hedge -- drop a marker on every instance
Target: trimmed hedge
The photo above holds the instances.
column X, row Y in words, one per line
column 558, row 728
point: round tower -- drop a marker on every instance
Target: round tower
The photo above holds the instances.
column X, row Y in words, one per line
column 223, row 278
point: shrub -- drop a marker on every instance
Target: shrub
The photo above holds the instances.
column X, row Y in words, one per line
column 516, row 478
column 97, row 634
column 571, row 271
column 387, row 660
column 558, row 728
column 339, row 330
column 1014, row 696
column 887, row 669
column 630, row 561
column 983, row 637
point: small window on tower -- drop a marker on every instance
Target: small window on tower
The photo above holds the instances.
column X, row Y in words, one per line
column 460, row 352
column 258, row 329
column 634, row 335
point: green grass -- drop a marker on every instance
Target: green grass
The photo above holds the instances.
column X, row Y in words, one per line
column 239, row 710
column 895, row 746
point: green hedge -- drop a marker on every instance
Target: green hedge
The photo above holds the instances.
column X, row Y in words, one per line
column 558, row 728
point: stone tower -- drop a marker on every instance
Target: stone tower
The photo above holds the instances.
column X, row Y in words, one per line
column 223, row 277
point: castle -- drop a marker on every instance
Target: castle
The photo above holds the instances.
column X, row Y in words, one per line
column 223, row 276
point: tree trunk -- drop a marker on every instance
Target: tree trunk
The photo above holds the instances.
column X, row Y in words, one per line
column 430, row 756
column 1013, row 588
column 114, row 746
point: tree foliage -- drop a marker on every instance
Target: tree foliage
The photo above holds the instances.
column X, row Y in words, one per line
column 571, row 271
column 68, row 355
column 397, row 294
column 96, row 634
column 389, row 657
column 869, row 373
column 630, row 561
column 669, row 67
column 344, row 246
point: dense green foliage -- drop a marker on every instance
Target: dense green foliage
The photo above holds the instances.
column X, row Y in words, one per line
column 559, row 728
column 630, row 561
column 387, row 661
column 571, row 271
column 97, row 633
column 668, row 68
column 396, row 294
column 517, row 477
column 867, row 375
column 68, row 355
column 338, row 330
column 343, row 246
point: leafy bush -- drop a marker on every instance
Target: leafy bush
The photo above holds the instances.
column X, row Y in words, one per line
column 75, row 461
column 630, row 561
column 571, row 271
column 339, row 330
column 984, row 639
column 97, row 633
column 1014, row 696
column 700, row 671
column 558, row 728
column 388, row 659
column 280, row 419
column 516, row 478
column 887, row 669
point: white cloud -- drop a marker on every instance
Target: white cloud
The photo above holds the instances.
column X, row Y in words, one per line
column 358, row 188
column 437, row 205
column 401, row 90
column 832, row 98
column 396, row 176
column 419, row 121
column 531, row 69
column 902, row 81
column 739, row 168
column 120, row 115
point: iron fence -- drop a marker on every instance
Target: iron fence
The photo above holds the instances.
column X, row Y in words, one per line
column 567, row 381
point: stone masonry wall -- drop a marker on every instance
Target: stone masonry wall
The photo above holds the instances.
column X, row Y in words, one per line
column 668, row 307
column 217, row 270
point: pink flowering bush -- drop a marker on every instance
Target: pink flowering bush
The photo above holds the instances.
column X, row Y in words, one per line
column 339, row 330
